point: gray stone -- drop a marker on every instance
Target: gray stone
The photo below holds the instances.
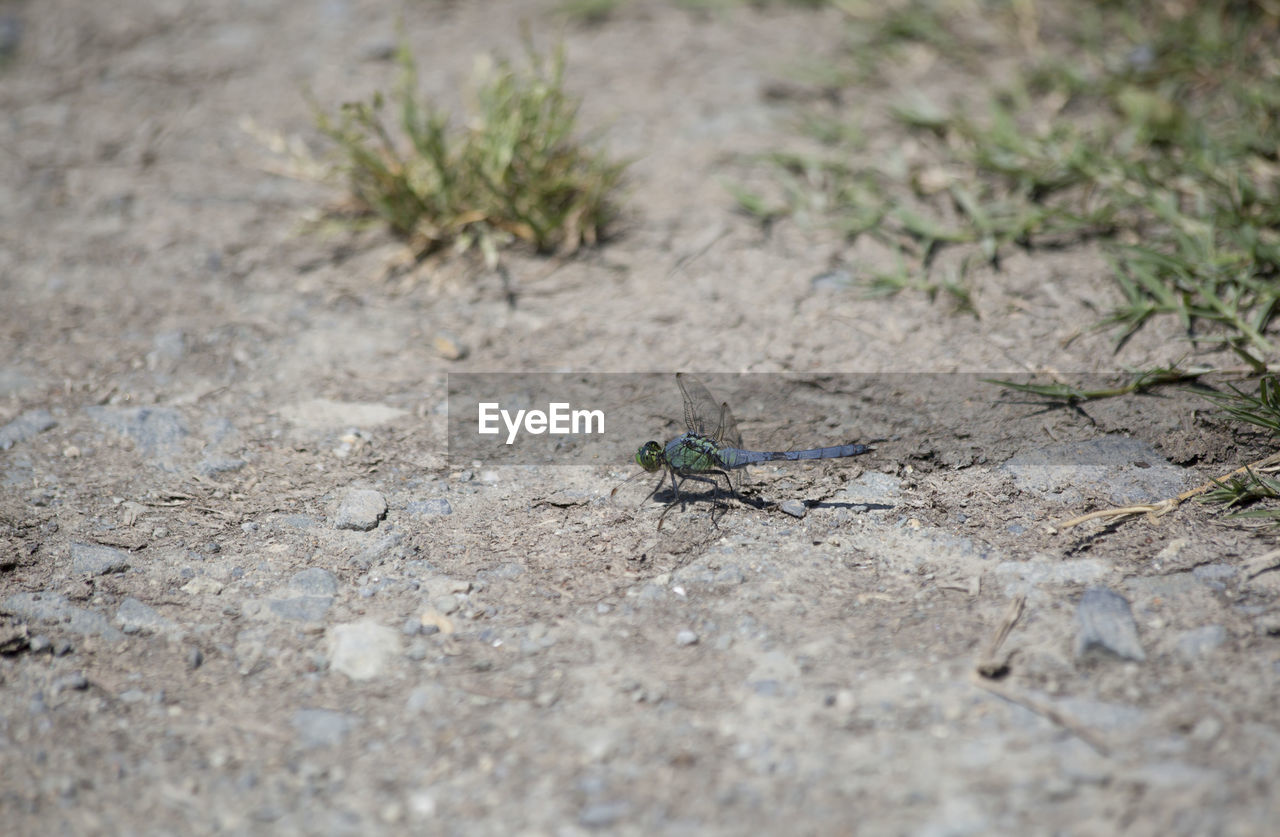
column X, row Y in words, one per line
column 387, row 546
column 686, row 637
column 322, row 727
column 795, row 508
column 24, row 427
column 92, row 559
column 1200, row 641
column 1104, row 621
column 362, row 650
column 73, row 682
column 730, row 574
column 446, row 604
column 360, row 510
column 434, row 507
column 54, row 609
column 134, row 614
column 1206, row 730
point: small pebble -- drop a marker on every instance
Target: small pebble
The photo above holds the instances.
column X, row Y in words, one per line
column 362, row 650
column 195, row 658
column 360, row 510
column 435, row 506
column 1206, row 729
column 1104, row 621
column 795, row 508
column 686, row 638
column 93, row 559
column 39, row 644
column 76, row 681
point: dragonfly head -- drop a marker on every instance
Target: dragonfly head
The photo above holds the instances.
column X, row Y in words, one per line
column 649, row 456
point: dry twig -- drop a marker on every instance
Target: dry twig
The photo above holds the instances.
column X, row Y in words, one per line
column 1155, row 510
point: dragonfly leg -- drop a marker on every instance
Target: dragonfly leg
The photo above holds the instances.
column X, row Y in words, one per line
column 728, row 481
column 707, row 477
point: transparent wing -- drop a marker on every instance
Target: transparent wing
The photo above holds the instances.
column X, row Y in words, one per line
column 704, row 416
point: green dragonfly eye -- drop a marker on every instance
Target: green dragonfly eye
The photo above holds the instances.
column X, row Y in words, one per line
column 649, row 457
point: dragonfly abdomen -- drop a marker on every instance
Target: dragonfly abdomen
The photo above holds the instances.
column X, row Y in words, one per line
column 737, row 458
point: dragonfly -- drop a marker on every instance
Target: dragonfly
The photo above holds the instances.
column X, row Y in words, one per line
column 712, row 447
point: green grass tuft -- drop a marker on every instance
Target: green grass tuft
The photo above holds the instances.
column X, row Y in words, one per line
column 1151, row 128
column 1257, row 483
column 516, row 172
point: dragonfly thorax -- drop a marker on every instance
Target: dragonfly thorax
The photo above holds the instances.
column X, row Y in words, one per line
column 650, row 456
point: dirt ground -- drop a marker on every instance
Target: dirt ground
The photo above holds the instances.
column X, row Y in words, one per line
column 197, row 395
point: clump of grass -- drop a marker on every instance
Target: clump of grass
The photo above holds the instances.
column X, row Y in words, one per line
column 1255, row 483
column 1151, row 128
column 515, row 172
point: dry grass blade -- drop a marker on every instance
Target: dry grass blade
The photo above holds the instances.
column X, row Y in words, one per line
column 1155, row 510
column 991, row 664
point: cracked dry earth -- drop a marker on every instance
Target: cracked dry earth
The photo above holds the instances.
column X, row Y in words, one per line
column 243, row 591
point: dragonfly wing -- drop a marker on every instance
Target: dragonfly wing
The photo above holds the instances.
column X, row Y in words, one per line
column 700, row 408
column 706, row 416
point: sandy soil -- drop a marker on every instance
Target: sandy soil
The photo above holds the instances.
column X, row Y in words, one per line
column 195, row 393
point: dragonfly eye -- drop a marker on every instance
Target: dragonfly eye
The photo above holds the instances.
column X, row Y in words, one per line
column 649, row 457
